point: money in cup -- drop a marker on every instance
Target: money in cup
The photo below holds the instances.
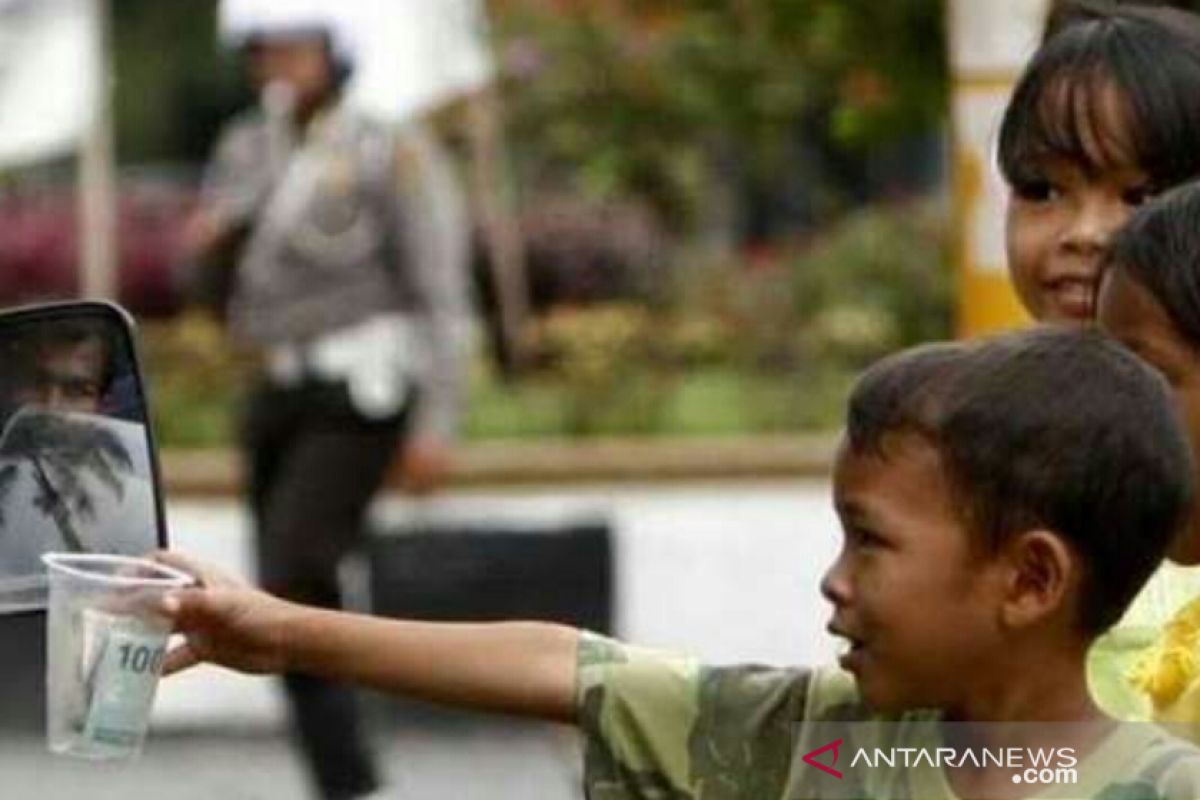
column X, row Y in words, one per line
column 106, row 638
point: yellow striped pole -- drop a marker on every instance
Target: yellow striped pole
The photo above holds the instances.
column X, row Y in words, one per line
column 990, row 41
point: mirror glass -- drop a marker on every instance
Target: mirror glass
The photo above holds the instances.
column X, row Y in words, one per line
column 77, row 466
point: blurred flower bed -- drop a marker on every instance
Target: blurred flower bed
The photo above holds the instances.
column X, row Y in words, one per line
column 39, row 236
column 732, row 346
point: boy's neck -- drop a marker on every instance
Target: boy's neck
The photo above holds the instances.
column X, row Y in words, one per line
column 1047, row 707
column 1046, row 684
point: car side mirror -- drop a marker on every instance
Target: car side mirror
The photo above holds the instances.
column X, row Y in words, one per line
column 78, row 466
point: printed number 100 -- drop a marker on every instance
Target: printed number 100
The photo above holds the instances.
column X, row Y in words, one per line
column 141, row 659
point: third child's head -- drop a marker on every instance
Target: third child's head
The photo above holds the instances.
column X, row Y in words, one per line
column 1106, row 114
column 1150, row 300
column 1000, row 500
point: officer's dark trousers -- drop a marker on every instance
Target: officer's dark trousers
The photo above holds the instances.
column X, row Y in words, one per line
column 314, row 465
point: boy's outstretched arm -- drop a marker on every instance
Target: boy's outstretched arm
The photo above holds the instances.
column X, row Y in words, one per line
column 516, row 668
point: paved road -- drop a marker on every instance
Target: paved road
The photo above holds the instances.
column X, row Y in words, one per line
column 728, row 572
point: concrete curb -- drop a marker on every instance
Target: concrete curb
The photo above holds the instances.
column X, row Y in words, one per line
column 218, row 473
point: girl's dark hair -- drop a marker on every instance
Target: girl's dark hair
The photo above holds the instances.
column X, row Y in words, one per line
column 1159, row 249
column 1102, row 62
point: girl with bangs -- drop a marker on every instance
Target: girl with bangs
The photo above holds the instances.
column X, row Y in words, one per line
column 1106, row 114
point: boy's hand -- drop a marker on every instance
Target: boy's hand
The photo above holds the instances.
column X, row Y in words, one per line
column 225, row 621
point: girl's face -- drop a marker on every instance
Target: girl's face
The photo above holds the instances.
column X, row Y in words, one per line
column 1059, row 225
column 1129, row 313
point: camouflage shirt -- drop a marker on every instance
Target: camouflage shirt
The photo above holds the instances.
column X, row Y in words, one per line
column 662, row 727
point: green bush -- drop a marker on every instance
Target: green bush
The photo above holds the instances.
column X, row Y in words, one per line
column 881, row 280
column 644, row 100
column 610, row 361
column 195, row 379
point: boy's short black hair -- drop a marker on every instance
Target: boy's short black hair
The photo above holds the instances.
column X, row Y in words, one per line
column 1050, row 428
column 1159, row 249
column 1063, row 102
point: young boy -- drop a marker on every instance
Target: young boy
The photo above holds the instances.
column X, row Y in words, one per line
column 1001, row 502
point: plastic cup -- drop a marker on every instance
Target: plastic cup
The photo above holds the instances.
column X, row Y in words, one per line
column 105, row 642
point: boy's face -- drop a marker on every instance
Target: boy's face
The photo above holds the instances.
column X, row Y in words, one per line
column 917, row 604
column 1130, row 314
column 1058, row 229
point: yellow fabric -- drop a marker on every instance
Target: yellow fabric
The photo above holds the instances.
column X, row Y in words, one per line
column 1146, row 665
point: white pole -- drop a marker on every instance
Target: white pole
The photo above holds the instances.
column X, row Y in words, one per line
column 990, row 41
column 97, row 176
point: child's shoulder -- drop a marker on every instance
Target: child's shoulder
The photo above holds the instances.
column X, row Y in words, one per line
column 1146, row 761
column 1146, row 664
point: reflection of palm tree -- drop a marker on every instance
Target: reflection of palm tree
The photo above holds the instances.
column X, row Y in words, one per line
column 61, row 449
column 8, row 478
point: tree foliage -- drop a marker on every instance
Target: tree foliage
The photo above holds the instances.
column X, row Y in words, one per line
column 641, row 97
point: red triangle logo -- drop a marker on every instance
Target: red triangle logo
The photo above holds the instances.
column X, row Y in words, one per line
column 810, row 758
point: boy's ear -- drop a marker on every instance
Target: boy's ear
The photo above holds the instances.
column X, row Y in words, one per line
column 1040, row 575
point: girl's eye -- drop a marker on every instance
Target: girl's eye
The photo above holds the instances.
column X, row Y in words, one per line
column 1037, row 191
